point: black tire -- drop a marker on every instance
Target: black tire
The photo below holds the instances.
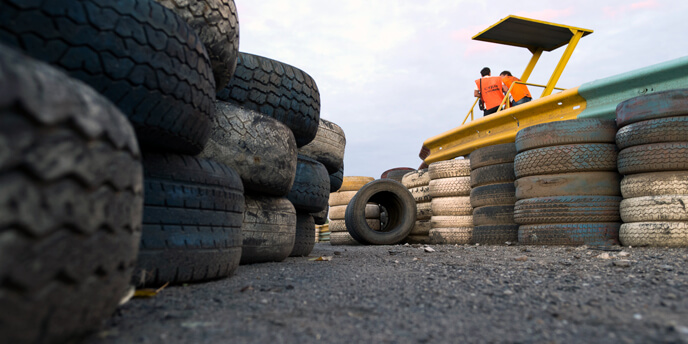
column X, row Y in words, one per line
column 304, row 239
column 493, row 155
column 70, row 206
column 569, row 184
column 566, row 159
column 493, row 174
column 311, row 189
column 401, row 211
column 655, row 184
column 278, row 90
column 167, row 93
column 269, row 229
column 494, row 194
column 670, row 129
column 192, row 220
column 575, row 131
column 567, row 209
column 396, row 174
column 320, row 218
column 336, row 180
column 327, row 147
column 495, row 234
column 655, row 157
column 491, row 215
column 261, row 149
column 591, row 234
column 217, row 25
column 656, row 105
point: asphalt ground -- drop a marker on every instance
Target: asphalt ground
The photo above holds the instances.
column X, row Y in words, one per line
column 425, row 294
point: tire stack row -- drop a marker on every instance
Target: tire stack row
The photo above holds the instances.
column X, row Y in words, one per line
column 567, row 184
column 338, row 202
column 493, row 194
column 653, row 157
column 452, row 214
column 418, row 183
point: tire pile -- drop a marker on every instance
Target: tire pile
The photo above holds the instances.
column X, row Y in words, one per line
column 339, row 201
column 653, row 157
column 160, row 153
column 566, row 183
column 418, row 183
column 396, row 173
column 452, row 214
column 493, row 194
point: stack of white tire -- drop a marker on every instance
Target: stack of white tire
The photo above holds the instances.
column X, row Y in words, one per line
column 338, row 203
column 452, row 214
column 653, row 139
column 418, row 183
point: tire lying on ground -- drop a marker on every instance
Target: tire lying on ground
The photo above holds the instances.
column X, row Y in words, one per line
column 304, row 238
column 278, row 90
column 327, row 147
column 567, row 209
column 311, row 189
column 269, row 229
column 342, row 238
column 137, row 53
column 592, row 234
column 495, row 234
column 400, row 207
column 261, row 149
column 657, row 234
column 192, row 223
column 451, row 236
column 70, row 205
column 216, row 23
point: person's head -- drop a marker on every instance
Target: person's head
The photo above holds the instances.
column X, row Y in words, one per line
column 485, row 71
column 505, row 73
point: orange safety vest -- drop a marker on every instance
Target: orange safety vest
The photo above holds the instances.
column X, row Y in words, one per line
column 519, row 91
column 491, row 90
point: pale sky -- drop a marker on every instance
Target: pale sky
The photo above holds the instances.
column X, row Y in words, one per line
column 395, row 73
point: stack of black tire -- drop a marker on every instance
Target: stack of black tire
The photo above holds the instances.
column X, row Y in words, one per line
column 452, row 214
column 493, row 194
column 567, row 185
column 418, row 183
column 653, row 157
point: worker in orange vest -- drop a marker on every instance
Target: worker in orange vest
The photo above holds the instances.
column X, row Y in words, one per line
column 490, row 90
column 519, row 92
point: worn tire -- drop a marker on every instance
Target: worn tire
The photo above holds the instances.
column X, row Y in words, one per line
column 337, row 212
column 450, row 206
column 340, row 225
column 400, row 206
column 327, row 147
column 450, row 168
column 342, row 239
column 575, row 131
column 70, row 206
column 655, row 184
column 304, row 238
column 261, row 149
column 589, row 157
column 493, row 194
column 493, row 174
column 670, row 129
column 451, row 236
column 451, row 221
column 423, row 211
column 341, row 198
column 591, row 234
column 495, row 234
column 656, row 234
column 311, row 189
column 320, row 218
column 278, row 90
column 655, row 157
column 269, row 229
column 666, row 208
column 449, row 187
column 217, row 25
column 493, row 155
column 396, row 174
column 137, row 53
column 416, row 178
column 567, row 209
column 192, row 220
column 336, row 180
column 493, row 215
column 656, row 105
column 421, row 194
column 569, row 184
column 421, row 227
column 354, row 183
